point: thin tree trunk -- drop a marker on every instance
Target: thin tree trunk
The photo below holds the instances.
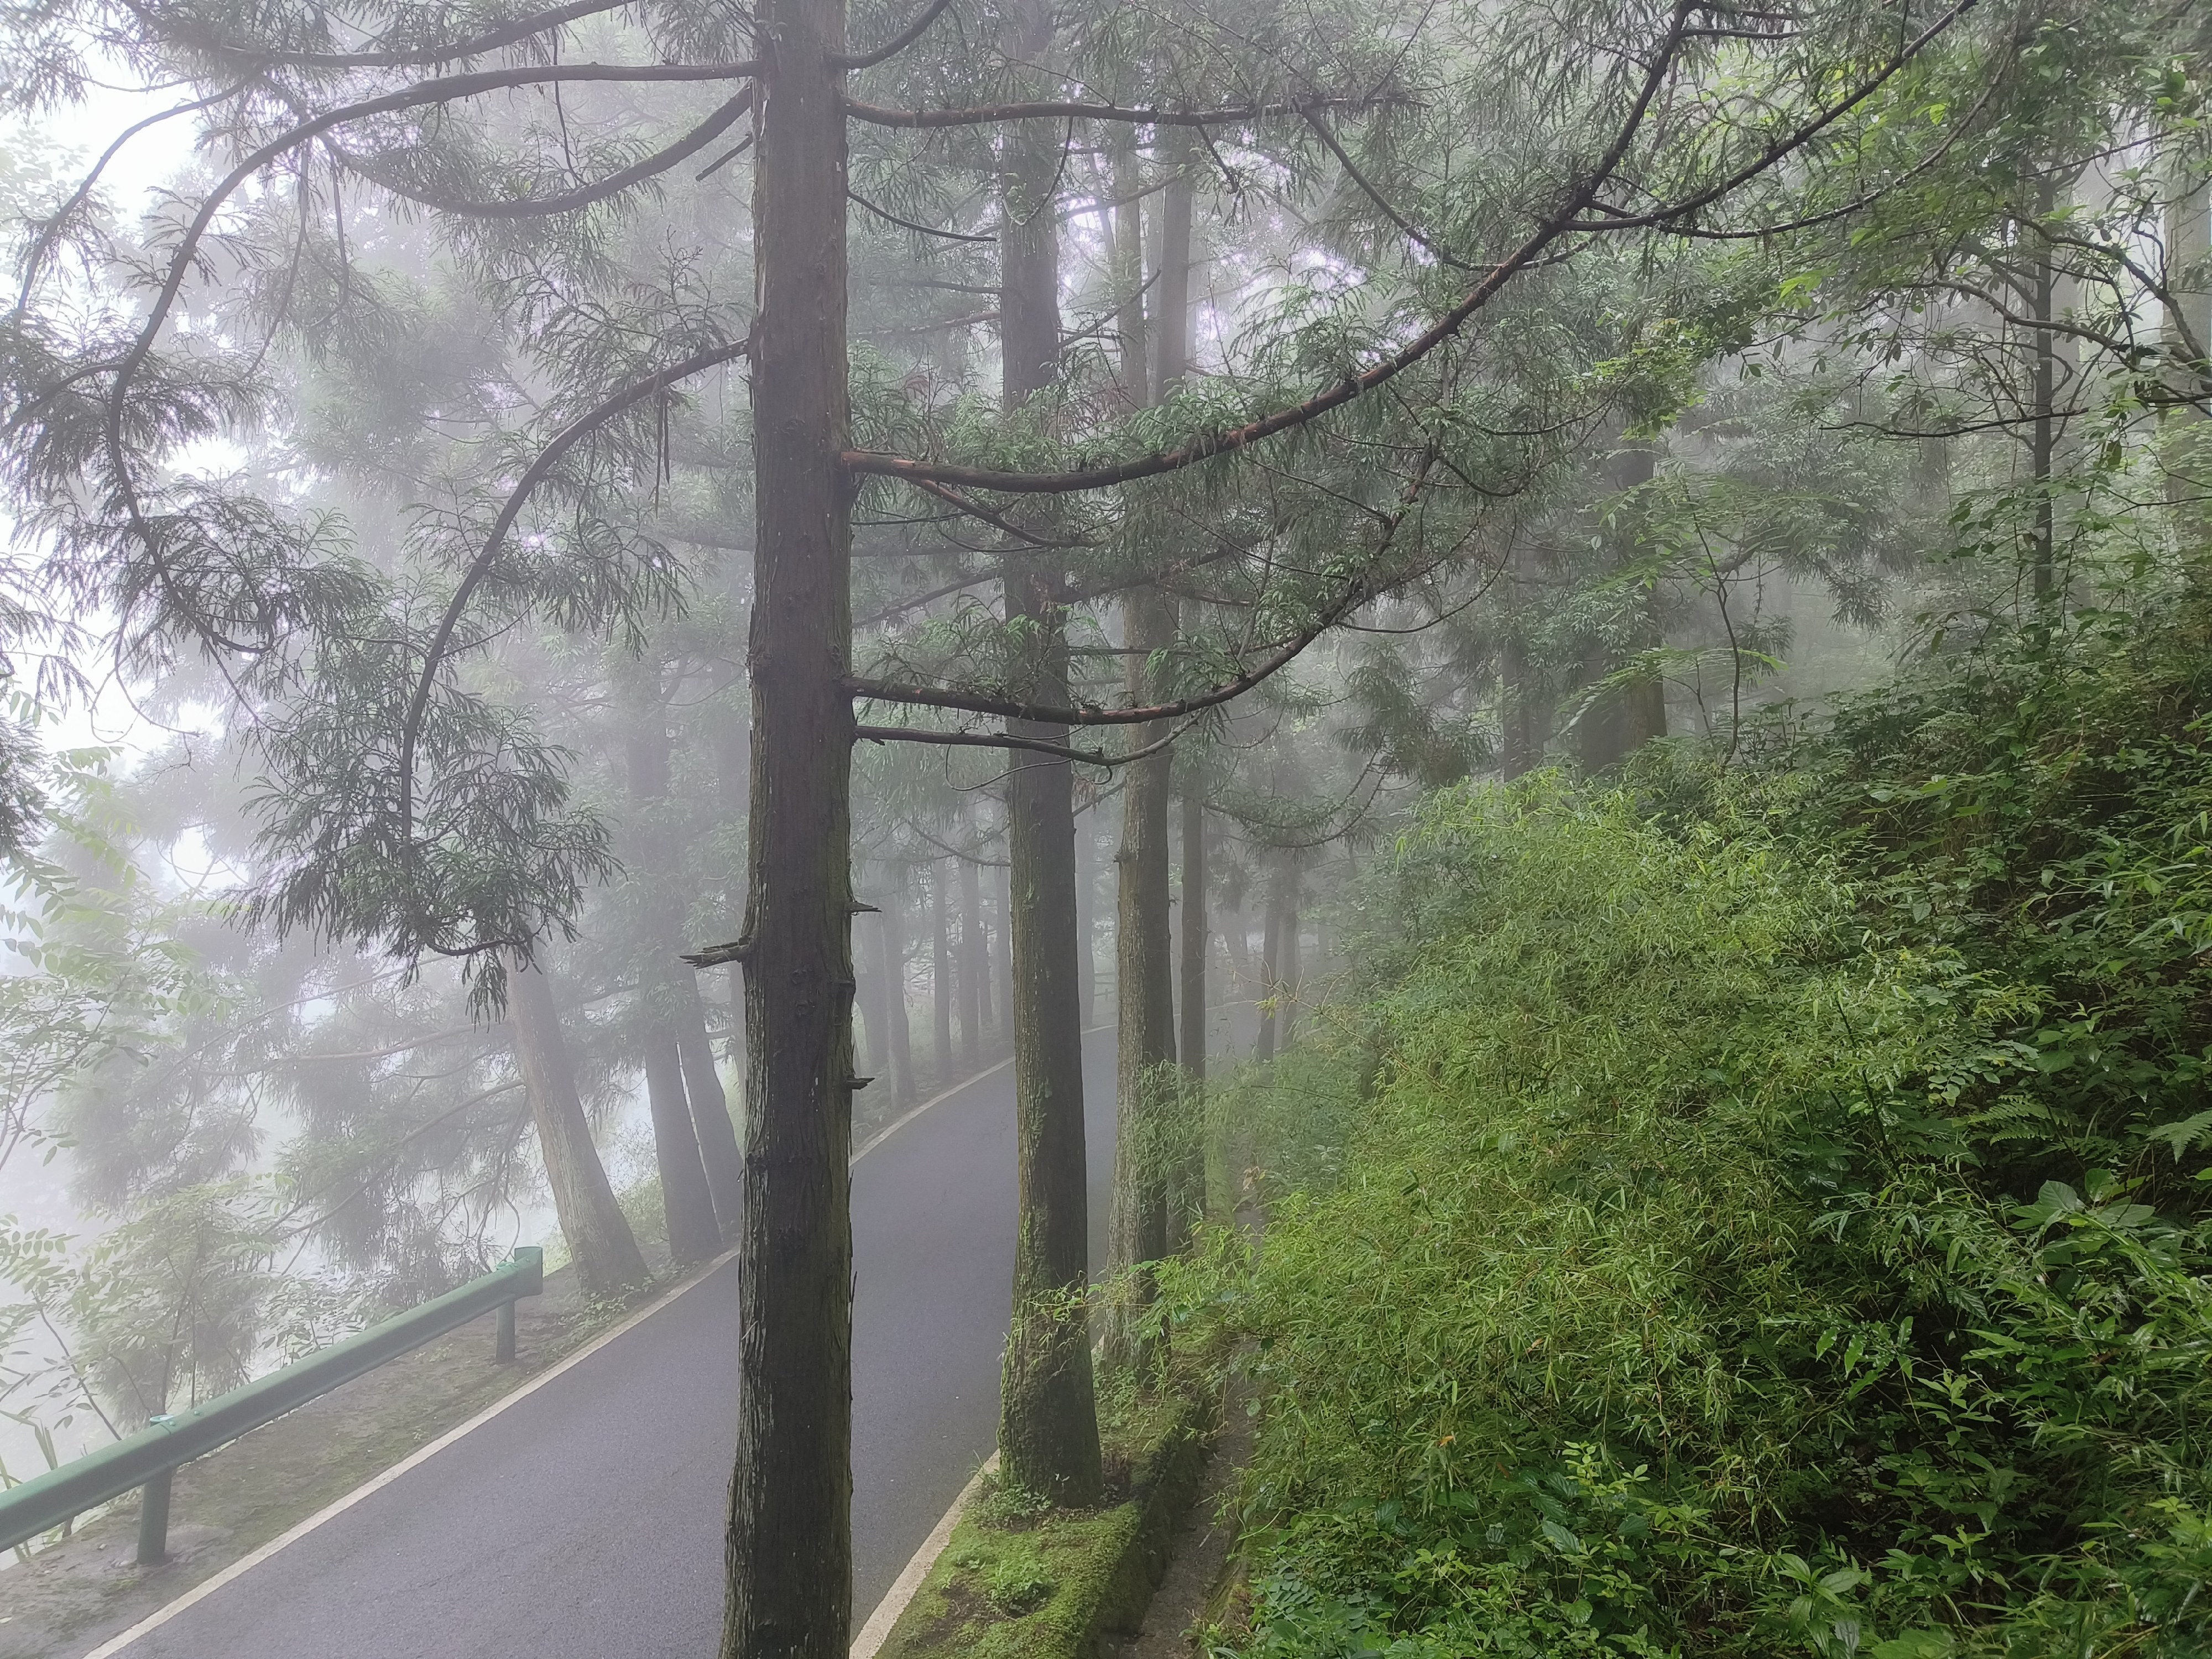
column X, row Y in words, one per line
column 1187, row 1202
column 869, row 988
column 599, row 1240
column 890, row 972
column 1144, row 979
column 975, row 959
column 982, row 972
column 1048, row 1409
column 1523, row 741
column 1288, row 970
column 789, row 1554
column 710, row 1108
column 1270, row 945
column 1086, row 919
column 1006, row 962
column 685, row 1199
column 941, row 979
column 1192, row 1046
column 2042, row 434
column 732, row 742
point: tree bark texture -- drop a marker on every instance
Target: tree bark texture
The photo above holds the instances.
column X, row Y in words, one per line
column 600, row 1239
column 1048, row 1409
column 789, row 1542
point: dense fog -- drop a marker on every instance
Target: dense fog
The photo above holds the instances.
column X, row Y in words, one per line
column 601, row 604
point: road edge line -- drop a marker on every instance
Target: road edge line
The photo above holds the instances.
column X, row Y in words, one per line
column 939, row 1099
column 877, row 1630
column 330, row 1511
column 931, row 1546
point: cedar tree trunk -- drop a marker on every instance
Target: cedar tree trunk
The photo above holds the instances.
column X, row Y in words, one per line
column 1048, row 1411
column 790, row 1551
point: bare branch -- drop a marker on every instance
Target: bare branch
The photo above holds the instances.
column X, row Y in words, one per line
column 1007, row 740
column 569, row 436
column 897, row 43
column 1566, row 219
column 1062, row 110
column 584, row 195
column 890, row 217
column 505, row 34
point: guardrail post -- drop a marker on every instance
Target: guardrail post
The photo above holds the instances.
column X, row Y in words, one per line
column 154, row 1520
column 503, row 1345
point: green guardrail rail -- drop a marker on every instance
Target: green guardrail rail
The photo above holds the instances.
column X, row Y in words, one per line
column 149, row 1458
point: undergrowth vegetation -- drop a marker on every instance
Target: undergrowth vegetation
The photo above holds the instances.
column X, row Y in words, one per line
column 1760, row 1213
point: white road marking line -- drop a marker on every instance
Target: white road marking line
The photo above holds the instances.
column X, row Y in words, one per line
column 874, row 1633
column 245, row 1564
column 238, row 1568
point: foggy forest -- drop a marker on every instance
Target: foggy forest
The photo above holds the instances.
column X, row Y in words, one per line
column 1263, row 829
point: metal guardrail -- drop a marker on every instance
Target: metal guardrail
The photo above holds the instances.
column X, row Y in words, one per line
column 150, row 1457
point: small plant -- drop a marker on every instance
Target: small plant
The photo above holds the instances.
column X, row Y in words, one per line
column 1018, row 1583
column 1006, row 1504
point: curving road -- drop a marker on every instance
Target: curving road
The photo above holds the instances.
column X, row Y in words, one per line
column 585, row 1519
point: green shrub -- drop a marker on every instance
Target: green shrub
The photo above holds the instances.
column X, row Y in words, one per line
column 1703, row 1263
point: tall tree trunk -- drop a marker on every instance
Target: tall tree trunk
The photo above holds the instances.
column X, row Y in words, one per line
column 2043, row 432
column 868, row 989
column 790, row 1555
column 1187, row 1199
column 710, row 1108
column 1144, row 937
column 890, row 936
column 1288, row 969
column 1048, row 1409
column 941, row 978
column 1270, row 979
column 1623, row 720
column 686, row 1197
column 1144, row 979
column 981, row 970
column 600, row 1239
column 974, row 966
column 1006, row 962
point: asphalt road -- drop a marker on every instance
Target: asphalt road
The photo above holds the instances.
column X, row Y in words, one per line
column 584, row 1521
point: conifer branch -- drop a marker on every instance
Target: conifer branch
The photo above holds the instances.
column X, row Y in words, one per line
column 1566, row 220
column 897, row 43
column 526, row 207
column 566, row 438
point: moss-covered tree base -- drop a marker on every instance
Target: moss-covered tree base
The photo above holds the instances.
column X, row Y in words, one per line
column 1022, row 1581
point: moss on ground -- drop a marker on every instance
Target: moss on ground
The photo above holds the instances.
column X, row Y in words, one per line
column 1020, row 1580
